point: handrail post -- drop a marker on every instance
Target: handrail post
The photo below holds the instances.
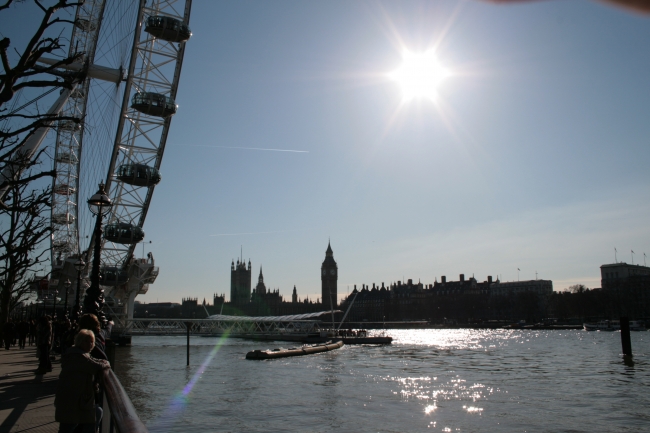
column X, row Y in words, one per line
column 188, row 326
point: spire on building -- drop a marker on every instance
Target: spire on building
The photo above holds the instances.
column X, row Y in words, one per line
column 329, row 252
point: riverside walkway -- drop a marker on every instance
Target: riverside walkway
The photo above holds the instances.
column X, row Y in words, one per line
column 26, row 399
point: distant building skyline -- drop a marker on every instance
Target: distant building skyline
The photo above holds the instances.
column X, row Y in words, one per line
column 241, row 283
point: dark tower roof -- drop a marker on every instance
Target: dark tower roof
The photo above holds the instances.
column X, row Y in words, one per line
column 261, row 277
column 329, row 256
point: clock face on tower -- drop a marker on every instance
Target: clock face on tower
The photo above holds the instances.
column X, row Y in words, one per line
column 324, row 272
column 333, row 271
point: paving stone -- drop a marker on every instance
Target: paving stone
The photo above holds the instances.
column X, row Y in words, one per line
column 26, row 399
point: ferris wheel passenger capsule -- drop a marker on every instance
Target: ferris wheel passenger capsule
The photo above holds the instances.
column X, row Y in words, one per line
column 113, row 276
column 85, row 25
column 168, row 29
column 154, row 104
column 63, row 218
column 123, row 233
column 138, row 175
column 66, row 157
column 69, row 125
column 78, row 93
column 64, row 189
column 62, row 246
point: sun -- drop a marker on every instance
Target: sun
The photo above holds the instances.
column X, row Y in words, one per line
column 420, row 75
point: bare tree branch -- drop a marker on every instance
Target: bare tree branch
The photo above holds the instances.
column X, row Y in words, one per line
column 25, row 226
column 6, row 5
column 36, row 47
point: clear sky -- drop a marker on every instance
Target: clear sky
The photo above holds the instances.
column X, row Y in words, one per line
column 534, row 155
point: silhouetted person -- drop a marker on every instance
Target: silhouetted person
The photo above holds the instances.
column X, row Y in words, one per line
column 8, row 334
column 75, row 395
column 23, row 330
column 43, row 343
column 32, row 332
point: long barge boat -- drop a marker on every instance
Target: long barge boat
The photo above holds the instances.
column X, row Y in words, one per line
column 296, row 351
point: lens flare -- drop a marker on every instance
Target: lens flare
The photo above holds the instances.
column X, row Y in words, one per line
column 180, row 400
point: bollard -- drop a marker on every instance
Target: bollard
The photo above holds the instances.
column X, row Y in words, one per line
column 188, row 326
column 625, row 336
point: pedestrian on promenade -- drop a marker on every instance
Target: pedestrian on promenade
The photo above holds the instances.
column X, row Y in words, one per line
column 66, row 335
column 75, row 396
column 8, row 333
column 32, row 331
column 43, row 343
column 90, row 322
column 23, row 330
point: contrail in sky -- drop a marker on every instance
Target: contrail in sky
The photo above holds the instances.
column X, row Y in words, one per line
column 257, row 233
column 246, row 148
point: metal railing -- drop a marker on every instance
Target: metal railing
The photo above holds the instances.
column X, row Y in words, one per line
column 119, row 414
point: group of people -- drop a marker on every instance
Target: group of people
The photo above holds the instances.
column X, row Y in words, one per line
column 17, row 332
column 82, row 345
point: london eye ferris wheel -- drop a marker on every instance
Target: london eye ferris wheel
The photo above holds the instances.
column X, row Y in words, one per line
column 132, row 54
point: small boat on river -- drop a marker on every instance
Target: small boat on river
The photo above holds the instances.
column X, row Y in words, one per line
column 296, row 351
column 603, row 325
column 358, row 337
column 379, row 339
column 614, row 325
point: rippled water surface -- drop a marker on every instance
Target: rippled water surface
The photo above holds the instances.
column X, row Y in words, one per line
column 427, row 380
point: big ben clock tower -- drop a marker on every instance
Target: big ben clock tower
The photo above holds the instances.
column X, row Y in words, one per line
column 329, row 274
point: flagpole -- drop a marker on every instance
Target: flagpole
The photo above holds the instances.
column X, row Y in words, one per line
column 615, row 258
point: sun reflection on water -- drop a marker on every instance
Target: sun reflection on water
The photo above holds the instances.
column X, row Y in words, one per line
column 434, row 392
column 458, row 338
column 448, row 391
column 473, row 409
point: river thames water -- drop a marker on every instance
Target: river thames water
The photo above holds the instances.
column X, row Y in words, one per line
column 426, row 381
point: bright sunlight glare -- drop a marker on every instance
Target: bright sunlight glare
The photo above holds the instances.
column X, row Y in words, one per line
column 420, row 75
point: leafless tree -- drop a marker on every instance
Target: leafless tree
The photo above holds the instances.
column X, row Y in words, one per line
column 25, row 203
column 578, row 288
column 24, row 230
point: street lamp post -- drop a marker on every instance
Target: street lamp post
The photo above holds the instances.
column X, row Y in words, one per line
column 99, row 205
column 67, row 285
column 79, row 266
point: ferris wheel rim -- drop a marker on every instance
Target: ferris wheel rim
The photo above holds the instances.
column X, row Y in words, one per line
column 66, row 213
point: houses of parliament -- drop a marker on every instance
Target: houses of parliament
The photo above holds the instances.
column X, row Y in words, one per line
column 257, row 301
